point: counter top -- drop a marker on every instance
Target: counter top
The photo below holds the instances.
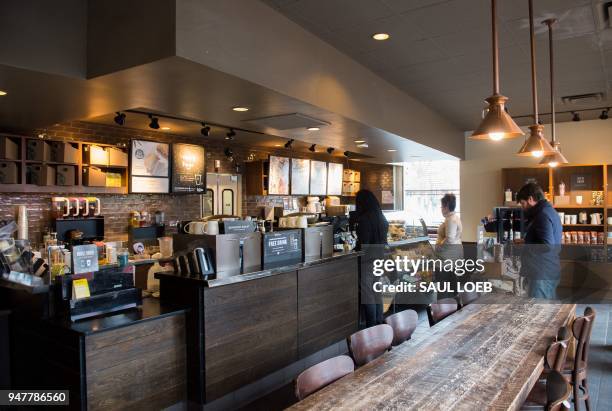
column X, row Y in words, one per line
column 232, row 277
column 151, row 309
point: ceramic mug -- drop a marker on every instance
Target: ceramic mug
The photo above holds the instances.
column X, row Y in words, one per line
column 562, row 217
column 610, row 221
column 302, row 221
column 568, row 219
column 292, row 222
column 282, row 222
column 582, row 217
column 212, row 227
column 196, row 227
column 578, row 200
column 574, row 219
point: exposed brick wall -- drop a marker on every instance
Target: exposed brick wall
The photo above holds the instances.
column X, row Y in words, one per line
column 116, row 208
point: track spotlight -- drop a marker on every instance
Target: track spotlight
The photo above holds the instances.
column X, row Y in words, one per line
column 230, row 134
column 330, row 150
column 575, row 116
column 205, row 130
column 347, row 154
column 312, row 148
column 228, row 152
column 120, row 119
column 154, row 124
column 288, row 143
column 604, row 114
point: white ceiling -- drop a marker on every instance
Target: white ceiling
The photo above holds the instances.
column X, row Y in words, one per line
column 440, row 50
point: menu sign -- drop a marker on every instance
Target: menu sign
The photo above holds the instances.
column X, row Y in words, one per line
column 84, row 259
column 300, row 176
column 335, row 173
column 580, row 181
column 188, row 168
column 318, row 178
column 149, row 167
column 281, row 248
column 278, row 176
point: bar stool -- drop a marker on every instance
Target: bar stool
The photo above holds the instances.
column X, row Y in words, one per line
column 370, row 343
column 582, row 328
column 441, row 309
column 554, row 397
column 403, row 323
column 322, row 374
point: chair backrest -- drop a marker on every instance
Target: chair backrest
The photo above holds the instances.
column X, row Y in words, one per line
column 466, row 298
column 403, row 323
column 558, row 392
column 322, row 374
column 557, row 351
column 441, row 309
column 582, row 328
column 370, row 343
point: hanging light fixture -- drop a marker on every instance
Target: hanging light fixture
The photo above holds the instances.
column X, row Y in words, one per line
column 556, row 158
column 535, row 145
column 497, row 123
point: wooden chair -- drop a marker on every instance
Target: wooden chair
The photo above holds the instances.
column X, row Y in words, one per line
column 554, row 396
column 439, row 310
column 322, row 374
column 370, row 343
column 403, row 323
column 467, row 298
column 582, row 328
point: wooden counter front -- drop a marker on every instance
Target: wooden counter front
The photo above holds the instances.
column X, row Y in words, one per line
column 242, row 331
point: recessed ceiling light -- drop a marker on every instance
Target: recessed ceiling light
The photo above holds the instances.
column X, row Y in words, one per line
column 165, row 128
column 240, row 108
column 313, row 129
column 381, row 36
column 363, row 145
column 391, row 150
column 3, row 93
column 359, row 141
column 278, row 145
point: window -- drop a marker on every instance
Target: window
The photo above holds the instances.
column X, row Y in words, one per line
column 425, row 182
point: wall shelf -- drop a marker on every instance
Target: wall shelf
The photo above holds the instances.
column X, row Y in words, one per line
column 23, row 164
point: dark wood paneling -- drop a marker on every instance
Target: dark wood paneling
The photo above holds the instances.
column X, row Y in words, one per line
column 142, row 366
column 328, row 307
column 250, row 331
column 254, row 172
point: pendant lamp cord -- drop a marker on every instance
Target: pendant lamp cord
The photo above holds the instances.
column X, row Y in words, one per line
column 495, row 47
column 534, row 88
column 550, row 23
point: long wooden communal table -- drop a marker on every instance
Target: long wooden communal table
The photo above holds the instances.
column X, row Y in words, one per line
column 484, row 357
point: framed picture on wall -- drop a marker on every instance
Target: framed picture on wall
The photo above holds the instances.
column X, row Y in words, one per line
column 300, row 176
column 188, row 168
column 335, row 172
column 278, row 176
column 318, row 178
column 149, row 167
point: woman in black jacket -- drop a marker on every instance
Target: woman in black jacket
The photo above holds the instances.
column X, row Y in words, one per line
column 371, row 228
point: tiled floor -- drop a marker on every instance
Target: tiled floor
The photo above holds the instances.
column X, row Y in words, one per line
column 600, row 365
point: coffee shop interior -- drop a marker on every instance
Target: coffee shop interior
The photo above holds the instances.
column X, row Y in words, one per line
column 179, row 182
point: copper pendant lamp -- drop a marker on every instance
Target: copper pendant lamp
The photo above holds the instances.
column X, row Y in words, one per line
column 556, row 158
column 535, row 145
column 497, row 124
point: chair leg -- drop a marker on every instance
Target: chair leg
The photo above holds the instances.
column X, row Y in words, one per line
column 576, row 388
column 586, row 395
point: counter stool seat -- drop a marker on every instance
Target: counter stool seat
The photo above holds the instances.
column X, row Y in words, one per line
column 322, row 374
column 370, row 343
column 403, row 323
column 441, row 309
